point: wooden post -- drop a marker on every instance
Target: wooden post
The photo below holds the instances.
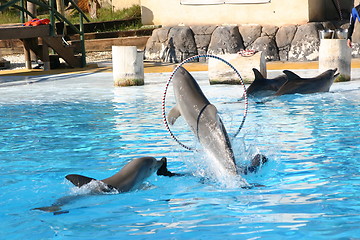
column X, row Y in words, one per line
column 31, row 7
column 45, row 55
column 60, row 7
column 27, row 54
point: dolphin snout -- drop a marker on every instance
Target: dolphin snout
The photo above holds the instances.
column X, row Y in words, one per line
column 336, row 73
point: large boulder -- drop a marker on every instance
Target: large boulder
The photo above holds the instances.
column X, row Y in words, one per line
column 202, row 35
column 156, row 44
column 305, row 45
column 225, row 39
column 203, row 30
column 269, row 30
column 268, row 46
column 284, row 37
column 250, row 33
column 181, row 44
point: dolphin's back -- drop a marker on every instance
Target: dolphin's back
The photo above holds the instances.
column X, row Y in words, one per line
column 128, row 178
column 261, row 84
column 133, row 173
column 296, row 84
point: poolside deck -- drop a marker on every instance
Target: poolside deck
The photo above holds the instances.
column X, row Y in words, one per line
column 156, row 67
column 18, row 31
column 38, row 39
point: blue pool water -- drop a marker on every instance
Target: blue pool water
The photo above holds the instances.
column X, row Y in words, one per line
column 79, row 123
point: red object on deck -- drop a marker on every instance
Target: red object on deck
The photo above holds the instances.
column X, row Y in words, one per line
column 37, row 22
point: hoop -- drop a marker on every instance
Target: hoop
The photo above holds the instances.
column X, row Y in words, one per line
column 171, row 77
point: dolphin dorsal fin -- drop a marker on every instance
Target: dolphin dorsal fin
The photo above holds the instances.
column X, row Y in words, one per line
column 173, row 115
column 258, row 75
column 291, row 76
column 79, row 180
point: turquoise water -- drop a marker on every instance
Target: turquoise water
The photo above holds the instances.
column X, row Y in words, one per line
column 79, row 123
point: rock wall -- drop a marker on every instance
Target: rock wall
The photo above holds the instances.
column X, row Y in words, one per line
column 285, row 43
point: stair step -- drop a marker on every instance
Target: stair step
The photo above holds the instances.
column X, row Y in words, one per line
column 66, row 52
column 98, row 45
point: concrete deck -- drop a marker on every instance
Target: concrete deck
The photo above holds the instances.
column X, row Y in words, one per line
column 157, row 67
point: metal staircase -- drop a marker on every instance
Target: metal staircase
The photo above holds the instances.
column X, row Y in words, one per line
column 38, row 39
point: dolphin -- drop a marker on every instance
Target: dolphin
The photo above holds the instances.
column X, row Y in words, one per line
column 296, row 84
column 203, row 119
column 264, row 87
column 131, row 176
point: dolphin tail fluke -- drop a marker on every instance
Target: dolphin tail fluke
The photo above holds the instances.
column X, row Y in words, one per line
column 173, row 115
column 79, row 180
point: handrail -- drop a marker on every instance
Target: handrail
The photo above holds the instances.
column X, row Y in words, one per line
column 24, row 10
column 8, row 4
column 54, row 13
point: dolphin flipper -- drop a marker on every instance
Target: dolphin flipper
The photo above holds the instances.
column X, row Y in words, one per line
column 257, row 161
column 173, row 115
column 163, row 171
column 79, row 180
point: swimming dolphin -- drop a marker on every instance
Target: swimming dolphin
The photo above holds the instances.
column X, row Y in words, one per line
column 128, row 178
column 202, row 118
column 296, row 84
column 264, row 87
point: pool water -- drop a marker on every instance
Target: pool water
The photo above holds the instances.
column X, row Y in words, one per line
column 52, row 126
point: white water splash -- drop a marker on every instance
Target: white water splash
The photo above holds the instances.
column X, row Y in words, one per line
column 93, row 187
column 206, row 166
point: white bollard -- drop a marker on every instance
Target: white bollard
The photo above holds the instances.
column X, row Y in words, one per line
column 334, row 53
column 128, row 66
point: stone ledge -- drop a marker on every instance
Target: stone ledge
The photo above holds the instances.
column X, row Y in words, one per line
column 285, row 43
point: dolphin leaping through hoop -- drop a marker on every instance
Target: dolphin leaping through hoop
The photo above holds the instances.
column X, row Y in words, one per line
column 203, row 119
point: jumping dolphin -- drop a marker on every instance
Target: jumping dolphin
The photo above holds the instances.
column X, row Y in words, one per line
column 202, row 118
column 264, row 87
column 296, row 84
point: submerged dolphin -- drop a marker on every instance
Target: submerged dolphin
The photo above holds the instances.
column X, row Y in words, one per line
column 202, row 118
column 296, row 84
column 128, row 178
column 264, row 87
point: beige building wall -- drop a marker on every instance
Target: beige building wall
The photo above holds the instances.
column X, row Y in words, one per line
column 277, row 12
column 121, row 4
